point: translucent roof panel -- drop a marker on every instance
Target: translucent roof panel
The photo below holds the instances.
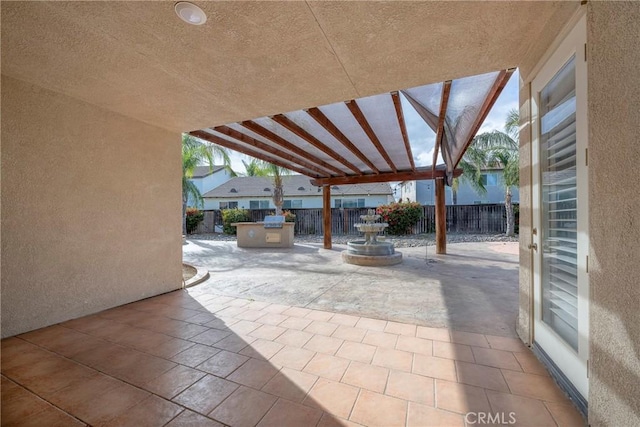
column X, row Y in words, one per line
column 422, row 137
column 380, row 112
column 342, row 118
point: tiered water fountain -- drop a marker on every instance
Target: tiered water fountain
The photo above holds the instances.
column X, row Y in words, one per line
column 370, row 251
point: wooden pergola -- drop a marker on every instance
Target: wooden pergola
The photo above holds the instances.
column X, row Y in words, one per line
column 365, row 140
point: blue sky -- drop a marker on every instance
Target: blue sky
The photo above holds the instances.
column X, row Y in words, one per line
column 422, row 138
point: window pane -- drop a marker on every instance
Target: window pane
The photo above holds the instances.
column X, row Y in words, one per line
column 224, row 205
column 559, row 204
column 264, row 204
column 254, row 204
column 361, row 203
column 233, row 205
column 286, row 204
column 296, row 204
column 338, row 203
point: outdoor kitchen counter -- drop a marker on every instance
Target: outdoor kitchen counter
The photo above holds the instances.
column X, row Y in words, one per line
column 255, row 235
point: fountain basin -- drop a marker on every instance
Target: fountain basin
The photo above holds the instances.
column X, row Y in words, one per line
column 372, row 260
column 362, row 247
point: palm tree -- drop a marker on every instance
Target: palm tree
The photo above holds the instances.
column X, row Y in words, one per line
column 195, row 153
column 254, row 168
column 276, row 173
column 501, row 149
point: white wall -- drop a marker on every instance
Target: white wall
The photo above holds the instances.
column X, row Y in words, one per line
column 423, row 192
column 372, row 201
column 209, row 182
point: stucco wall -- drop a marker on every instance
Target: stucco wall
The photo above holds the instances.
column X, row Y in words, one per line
column 90, row 208
column 613, row 32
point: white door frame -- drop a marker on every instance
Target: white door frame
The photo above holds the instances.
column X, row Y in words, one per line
column 572, row 364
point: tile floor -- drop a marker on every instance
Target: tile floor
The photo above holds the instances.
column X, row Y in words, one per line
column 192, row 358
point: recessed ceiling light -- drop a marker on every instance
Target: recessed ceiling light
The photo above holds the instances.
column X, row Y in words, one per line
column 190, row 13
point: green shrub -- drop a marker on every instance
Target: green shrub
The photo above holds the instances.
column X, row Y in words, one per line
column 401, row 217
column 194, row 217
column 230, row 216
column 289, row 216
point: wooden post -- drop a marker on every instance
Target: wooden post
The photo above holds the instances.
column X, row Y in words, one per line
column 441, row 218
column 326, row 215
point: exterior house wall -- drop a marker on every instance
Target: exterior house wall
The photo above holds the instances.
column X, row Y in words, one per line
column 372, row 201
column 423, row 192
column 209, row 182
column 613, row 84
column 61, row 159
column 613, row 31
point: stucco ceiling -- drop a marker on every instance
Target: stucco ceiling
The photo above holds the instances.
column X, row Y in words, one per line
column 254, row 59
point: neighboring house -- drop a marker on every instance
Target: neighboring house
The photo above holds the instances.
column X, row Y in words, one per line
column 423, row 191
column 207, row 178
column 255, row 193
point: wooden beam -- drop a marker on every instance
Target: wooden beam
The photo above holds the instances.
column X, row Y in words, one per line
column 403, row 128
column 214, row 139
column 277, row 139
column 288, row 124
column 444, row 101
column 326, row 215
column 441, row 218
column 366, row 127
column 494, row 93
column 335, row 132
column 420, row 173
column 269, row 149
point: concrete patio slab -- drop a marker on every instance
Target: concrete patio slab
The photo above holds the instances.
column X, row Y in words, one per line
column 473, row 288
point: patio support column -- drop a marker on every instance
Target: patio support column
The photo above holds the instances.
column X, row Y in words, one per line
column 326, row 215
column 441, row 218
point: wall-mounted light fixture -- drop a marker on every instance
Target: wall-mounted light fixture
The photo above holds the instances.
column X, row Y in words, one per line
column 190, row 13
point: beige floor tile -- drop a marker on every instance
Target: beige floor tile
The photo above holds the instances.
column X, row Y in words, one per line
column 254, row 373
column 356, row 351
column 435, row 334
column 496, row 358
column 349, row 333
column 223, row 363
column 221, row 323
column 235, row 343
column 153, row 411
column 174, row 381
column 321, row 316
column 519, row 410
column 415, row 345
column 460, row 398
column 257, row 305
column 296, row 312
column 290, row 414
column 565, row 415
column 327, row 366
column 374, row 409
column 426, row 416
column 206, row 394
column 267, row 332
column 261, row 349
column 393, row 359
column 469, row 338
column 244, row 327
column 321, row 328
column 344, row 319
column 380, row 339
column 376, row 325
column 536, row 386
column 401, row 329
column 333, row 397
column 250, row 315
column 415, row 388
column 238, row 302
column 191, row 419
column 193, row 356
column 292, row 357
column 481, row 376
column 231, row 311
column 295, row 323
column 294, row 338
column 276, row 308
column 506, row 343
column 323, row 344
column 210, row 336
column 363, row 375
column 453, row 351
column 434, row 367
column 530, row 363
column 290, row 384
column 329, row 420
column 202, row 318
column 272, row 319
column 244, row 408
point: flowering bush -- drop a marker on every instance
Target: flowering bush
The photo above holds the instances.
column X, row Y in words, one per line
column 289, row 216
column 230, row 216
column 401, row 216
column 194, row 217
